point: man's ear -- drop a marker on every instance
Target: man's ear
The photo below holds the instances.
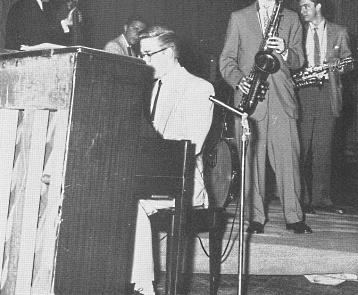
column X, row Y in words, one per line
column 125, row 28
column 170, row 52
column 319, row 7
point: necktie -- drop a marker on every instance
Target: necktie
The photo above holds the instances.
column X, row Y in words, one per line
column 317, row 53
column 155, row 101
column 129, row 50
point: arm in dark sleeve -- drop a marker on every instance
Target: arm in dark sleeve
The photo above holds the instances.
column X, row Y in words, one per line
column 12, row 33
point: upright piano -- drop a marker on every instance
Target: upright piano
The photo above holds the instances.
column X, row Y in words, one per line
column 69, row 128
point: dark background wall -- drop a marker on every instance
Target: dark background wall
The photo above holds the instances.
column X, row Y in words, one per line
column 201, row 25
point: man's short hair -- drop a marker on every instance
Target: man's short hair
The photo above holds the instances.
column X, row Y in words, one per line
column 135, row 17
column 166, row 37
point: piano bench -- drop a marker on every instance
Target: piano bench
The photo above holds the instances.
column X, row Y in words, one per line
column 198, row 220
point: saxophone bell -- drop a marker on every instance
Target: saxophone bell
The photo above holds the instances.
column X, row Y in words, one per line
column 267, row 62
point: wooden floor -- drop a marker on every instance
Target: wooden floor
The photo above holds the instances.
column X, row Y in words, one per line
column 264, row 285
column 345, row 193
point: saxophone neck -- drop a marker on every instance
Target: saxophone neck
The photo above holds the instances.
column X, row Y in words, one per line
column 271, row 29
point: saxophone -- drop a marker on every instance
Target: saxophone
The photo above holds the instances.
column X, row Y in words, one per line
column 316, row 75
column 266, row 63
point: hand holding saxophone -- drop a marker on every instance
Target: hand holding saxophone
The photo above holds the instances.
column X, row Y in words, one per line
column 336, row 65
column 255, row 85
column 276, row 43
column 244, row 85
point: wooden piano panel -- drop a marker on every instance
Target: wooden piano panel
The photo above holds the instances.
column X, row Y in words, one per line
column 98, row 212
column 29, row 232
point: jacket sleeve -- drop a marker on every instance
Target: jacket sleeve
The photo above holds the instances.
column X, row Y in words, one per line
column 295, row 57
column 345, row 44
column 344, row 48
column 229, row 57
column 11, row 38
column 201, row 113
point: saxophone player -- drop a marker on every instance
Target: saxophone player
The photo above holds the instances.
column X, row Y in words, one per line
column 273, row 123
column 324, row 42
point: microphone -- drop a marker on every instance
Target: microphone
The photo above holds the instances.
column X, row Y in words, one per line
column 224, row 105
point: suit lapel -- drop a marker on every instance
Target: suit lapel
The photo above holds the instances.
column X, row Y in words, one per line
column 122, row 43
column 254, row 20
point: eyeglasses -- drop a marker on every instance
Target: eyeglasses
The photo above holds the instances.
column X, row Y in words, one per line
column 135, row 29
column 142, row 55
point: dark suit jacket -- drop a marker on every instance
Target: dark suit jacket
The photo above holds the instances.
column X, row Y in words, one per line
column 242, row 42
column 338, row 47
column 28, row 25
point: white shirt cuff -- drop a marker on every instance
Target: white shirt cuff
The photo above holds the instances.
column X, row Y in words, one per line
column 64, row 25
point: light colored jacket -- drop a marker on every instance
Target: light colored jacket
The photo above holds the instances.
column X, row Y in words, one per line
column 243, row 38
column 117, row 46
column 184, row 111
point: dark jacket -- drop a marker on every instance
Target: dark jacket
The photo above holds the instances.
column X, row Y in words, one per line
column 338, row 47
column 28, row 25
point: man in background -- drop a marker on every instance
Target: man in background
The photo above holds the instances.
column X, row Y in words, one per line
column 123, row 44
column 32, row 22
column 321, row 105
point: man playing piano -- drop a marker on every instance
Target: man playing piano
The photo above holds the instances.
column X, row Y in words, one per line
column 180, row 109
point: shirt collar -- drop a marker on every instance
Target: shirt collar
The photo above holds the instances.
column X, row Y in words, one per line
column 321, row 26
column 265, row 4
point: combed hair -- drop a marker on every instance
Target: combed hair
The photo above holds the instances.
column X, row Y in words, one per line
column 166, row 37
column 135, row 17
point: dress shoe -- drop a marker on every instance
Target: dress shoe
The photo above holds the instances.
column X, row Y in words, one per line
column 299, row 227
column 137, row 292
column 255, row 228
column 308, row 209
column 331, row 209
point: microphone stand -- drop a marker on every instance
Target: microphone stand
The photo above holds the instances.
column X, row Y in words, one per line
column 244, row 138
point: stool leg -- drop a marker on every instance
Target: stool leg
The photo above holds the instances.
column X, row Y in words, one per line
column 215, row 241
column 175, row 252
